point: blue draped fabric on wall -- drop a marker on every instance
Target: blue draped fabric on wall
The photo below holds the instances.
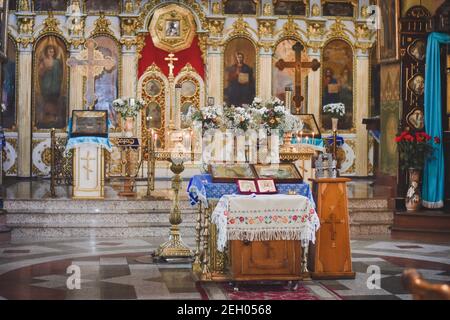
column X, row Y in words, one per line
column 433, row 176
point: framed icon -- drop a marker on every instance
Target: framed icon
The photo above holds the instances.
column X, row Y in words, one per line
column 310, row 126
column 246, row 186
column 266, row 186
column 280, row 172
column 89, row 123
column 222, row 172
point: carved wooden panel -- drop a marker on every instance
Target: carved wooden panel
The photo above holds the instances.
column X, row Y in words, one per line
column 332, row 257
column 413, row 40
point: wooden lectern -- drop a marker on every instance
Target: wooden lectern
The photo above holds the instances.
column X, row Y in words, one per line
column 330, row 256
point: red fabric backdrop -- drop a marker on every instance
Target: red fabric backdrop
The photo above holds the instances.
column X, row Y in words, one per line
column 151, row 54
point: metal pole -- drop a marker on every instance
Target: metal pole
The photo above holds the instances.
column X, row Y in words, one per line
column 52, row 163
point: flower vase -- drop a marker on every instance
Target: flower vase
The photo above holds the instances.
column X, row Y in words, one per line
column 413, row 199
column 129, row 127
column 334, row 123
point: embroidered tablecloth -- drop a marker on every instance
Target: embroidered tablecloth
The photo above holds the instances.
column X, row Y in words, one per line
column 201, row 189
column 265, row 217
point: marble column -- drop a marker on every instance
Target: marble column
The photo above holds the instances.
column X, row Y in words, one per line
column 214, row 74
column 76, row 85
column 24, row 73
column 361, row 109
column 265, row 73
column 129, row 79
column 314, row 87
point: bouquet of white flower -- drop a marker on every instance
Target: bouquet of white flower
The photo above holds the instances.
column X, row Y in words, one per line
column 128, row 107
column 237, row 117
column 336, row 110
column 210, row 116
column 3, row 107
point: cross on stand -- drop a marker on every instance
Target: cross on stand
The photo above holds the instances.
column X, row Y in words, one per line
column 87, row 166
column 92, row 63
column 333, row 221
column 297, row 65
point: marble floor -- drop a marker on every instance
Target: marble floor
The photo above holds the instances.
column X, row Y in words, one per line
column 108, row 269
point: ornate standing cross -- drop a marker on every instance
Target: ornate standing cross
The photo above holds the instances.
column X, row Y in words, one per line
column 298, row 65
column 333, row 221
column 92, row 64
column 171, row 58
column 87, row 166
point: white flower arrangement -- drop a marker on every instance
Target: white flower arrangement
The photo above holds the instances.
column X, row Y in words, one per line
column 335, row 109
column 128, row 107
column 270, row 114
column 3, row 107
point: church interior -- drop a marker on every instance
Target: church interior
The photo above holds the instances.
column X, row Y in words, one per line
column 225, row 150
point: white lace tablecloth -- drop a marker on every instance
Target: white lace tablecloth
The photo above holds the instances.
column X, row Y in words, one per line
column 265, row 217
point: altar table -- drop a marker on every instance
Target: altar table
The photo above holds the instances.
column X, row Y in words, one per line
column 210, row 263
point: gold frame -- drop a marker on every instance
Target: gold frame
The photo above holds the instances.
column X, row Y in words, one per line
column 353, row 128
column 16, row 83
column 397, row 36
column 257, row 62
column 187, row 28
column 34, row 129
column 295, row 16
column 257, row 10
column 353, row 17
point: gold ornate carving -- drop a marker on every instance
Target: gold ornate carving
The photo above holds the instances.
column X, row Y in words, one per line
column 216, row 8
column 26, row 25
column 128, row 42
column 315, row 45
column 267, row 11
column 362, row 31
column 129, row 7
column 316, row 29
column 129, row 26
column 290, row 28
column 77, row 42
column 266, row 45
column 51, row 25
column 216, row 27
column 77, row 27
column 363, row 46
column 102, row 26
column 140, row 43
column 266, row 28
column 25, row 42
column 364, row 12
column 315, row 10
column 337, row 29
column 240, row 27
column 202, row 42
column 24, row 5
column 172, row 28
column 153, row 68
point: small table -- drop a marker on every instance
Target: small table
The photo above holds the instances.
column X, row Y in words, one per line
column 211, row 264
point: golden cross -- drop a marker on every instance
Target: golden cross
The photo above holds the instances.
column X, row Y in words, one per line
column 297, row 65
column 87, row 167
column 333, row 221
column 171, row 58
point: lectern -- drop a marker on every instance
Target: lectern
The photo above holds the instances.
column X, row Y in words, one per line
column 331, row 256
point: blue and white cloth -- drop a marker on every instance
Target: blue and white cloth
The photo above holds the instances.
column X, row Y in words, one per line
column 75, row 142
column 202, row 189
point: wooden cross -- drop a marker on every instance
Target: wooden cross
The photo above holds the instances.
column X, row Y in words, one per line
column 298, row 65
column 87, row 166
column 92, row 64
column 171, row 58
column 333, row 221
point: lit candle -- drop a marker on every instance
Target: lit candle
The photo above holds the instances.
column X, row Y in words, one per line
column 301, row 136
column 313, row 135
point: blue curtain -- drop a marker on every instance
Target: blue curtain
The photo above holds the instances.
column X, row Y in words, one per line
column 433, row 176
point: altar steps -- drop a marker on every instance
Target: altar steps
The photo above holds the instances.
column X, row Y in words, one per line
column 65, row 218
column 370, row 216
column 426, row 225
column 91, row 218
